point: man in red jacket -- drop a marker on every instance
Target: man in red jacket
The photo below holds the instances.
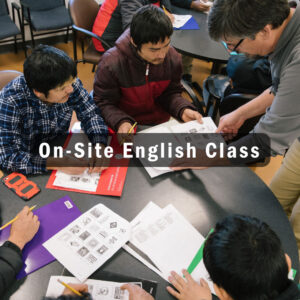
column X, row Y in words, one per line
column 138, row 80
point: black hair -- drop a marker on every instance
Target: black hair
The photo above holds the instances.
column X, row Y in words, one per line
column 244, row 256
column 244, row 18
column 47, row 68
column 150, row 25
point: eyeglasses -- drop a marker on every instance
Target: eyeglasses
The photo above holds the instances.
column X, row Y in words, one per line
column 235, row 47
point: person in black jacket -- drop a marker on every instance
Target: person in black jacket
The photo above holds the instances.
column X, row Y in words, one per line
column 245, row 260
column 22, row 231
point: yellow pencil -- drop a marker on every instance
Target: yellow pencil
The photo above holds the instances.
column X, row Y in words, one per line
column 14, row 219
column 165, row 10
column 70, row 288
column 130, row 130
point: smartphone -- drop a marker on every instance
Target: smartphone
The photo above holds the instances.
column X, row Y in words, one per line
column 21, row 186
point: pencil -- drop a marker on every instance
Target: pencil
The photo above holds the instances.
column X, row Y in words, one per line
column 14, row 219
column 70, row 288
column 165, row 10
column 130, row 130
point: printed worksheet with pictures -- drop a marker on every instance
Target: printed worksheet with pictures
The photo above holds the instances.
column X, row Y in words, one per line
column 98, row 289
column 190, row 132
column 89, row 241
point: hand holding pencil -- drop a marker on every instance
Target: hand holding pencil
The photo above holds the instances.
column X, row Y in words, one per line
column 24, row 227
column 125, row 132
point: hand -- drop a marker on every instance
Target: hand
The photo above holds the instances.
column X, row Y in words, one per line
column 230, row 124
column 69, row 164
column 123, row 135
column 81, row 288
column 188, row 289
column 200, row 6
column 136, row 292
column 24, row 228
column 98, row 164
column 190, row 115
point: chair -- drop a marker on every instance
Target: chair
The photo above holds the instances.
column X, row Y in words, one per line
column 8, row 27
column 83, row 13
column 200, row 105
column 43, row 15
column 7, row 76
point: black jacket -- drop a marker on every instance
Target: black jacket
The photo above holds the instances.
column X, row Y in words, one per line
column 10, row 265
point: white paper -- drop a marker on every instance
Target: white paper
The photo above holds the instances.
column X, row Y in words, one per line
column 168, row 240
column 84, row 181
column 89, row 241
column 99, row 289
column 149, row 211
column 181, row 131
column 180, row 20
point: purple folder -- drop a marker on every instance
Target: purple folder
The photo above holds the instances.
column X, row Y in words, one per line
column 191, row 24
column 53, row 217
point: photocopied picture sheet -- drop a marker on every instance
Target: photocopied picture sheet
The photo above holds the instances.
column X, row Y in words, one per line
column 183, row 133
column 168, row 242
column 98, row 289
column 89, row 241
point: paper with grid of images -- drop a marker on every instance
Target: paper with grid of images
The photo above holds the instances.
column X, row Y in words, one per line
column 89, row 241
column 98, row 289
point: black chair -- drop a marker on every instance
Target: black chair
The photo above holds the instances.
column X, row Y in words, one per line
column 200, row 105
column 44, row 15
column 8, row 28
column 83, row 13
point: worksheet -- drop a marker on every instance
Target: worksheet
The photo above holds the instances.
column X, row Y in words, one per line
column 193, row 132
column 89, row 241
column 166, row 242
column 84, row 181
column 150, row 210
column 99, row 289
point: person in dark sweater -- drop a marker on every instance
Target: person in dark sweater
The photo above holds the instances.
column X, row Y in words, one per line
column 245, row 260
column 138, row 80
column 22, row 231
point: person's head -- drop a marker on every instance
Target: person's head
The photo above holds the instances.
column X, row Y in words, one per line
column 50, row 72
column 245, row 260
column 248, row 26
column 150, row 32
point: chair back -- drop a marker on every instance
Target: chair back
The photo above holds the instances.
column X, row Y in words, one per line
column 83, row 14
column 43, row 4
column 3, row 8
column 7, row 76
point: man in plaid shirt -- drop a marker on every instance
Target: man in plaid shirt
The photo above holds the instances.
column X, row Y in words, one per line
column 38, row 106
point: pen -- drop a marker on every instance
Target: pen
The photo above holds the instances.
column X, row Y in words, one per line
column 14, row 219
column 70, row 288
column 130, row 130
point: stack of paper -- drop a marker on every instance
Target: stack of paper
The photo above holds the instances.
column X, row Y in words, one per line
column 165, row 241
column 85, row 244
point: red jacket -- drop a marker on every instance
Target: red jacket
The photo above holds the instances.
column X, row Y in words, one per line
column 124, row 92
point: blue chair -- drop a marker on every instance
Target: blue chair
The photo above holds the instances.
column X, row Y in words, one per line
column 8, row 28
column 45, row 15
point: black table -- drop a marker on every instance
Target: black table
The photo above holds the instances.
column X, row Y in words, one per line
column 197, row 43
column 203, row 197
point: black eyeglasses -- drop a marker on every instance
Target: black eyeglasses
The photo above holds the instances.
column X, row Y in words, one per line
column 235, row 47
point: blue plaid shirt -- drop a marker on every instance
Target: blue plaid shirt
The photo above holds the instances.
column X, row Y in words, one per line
column 26, row 121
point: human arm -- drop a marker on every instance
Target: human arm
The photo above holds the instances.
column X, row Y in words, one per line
column 230, row 123
column 188, row 289
column 107, row 94
column 22, row 231
column 14, row 156
column 136, row 292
